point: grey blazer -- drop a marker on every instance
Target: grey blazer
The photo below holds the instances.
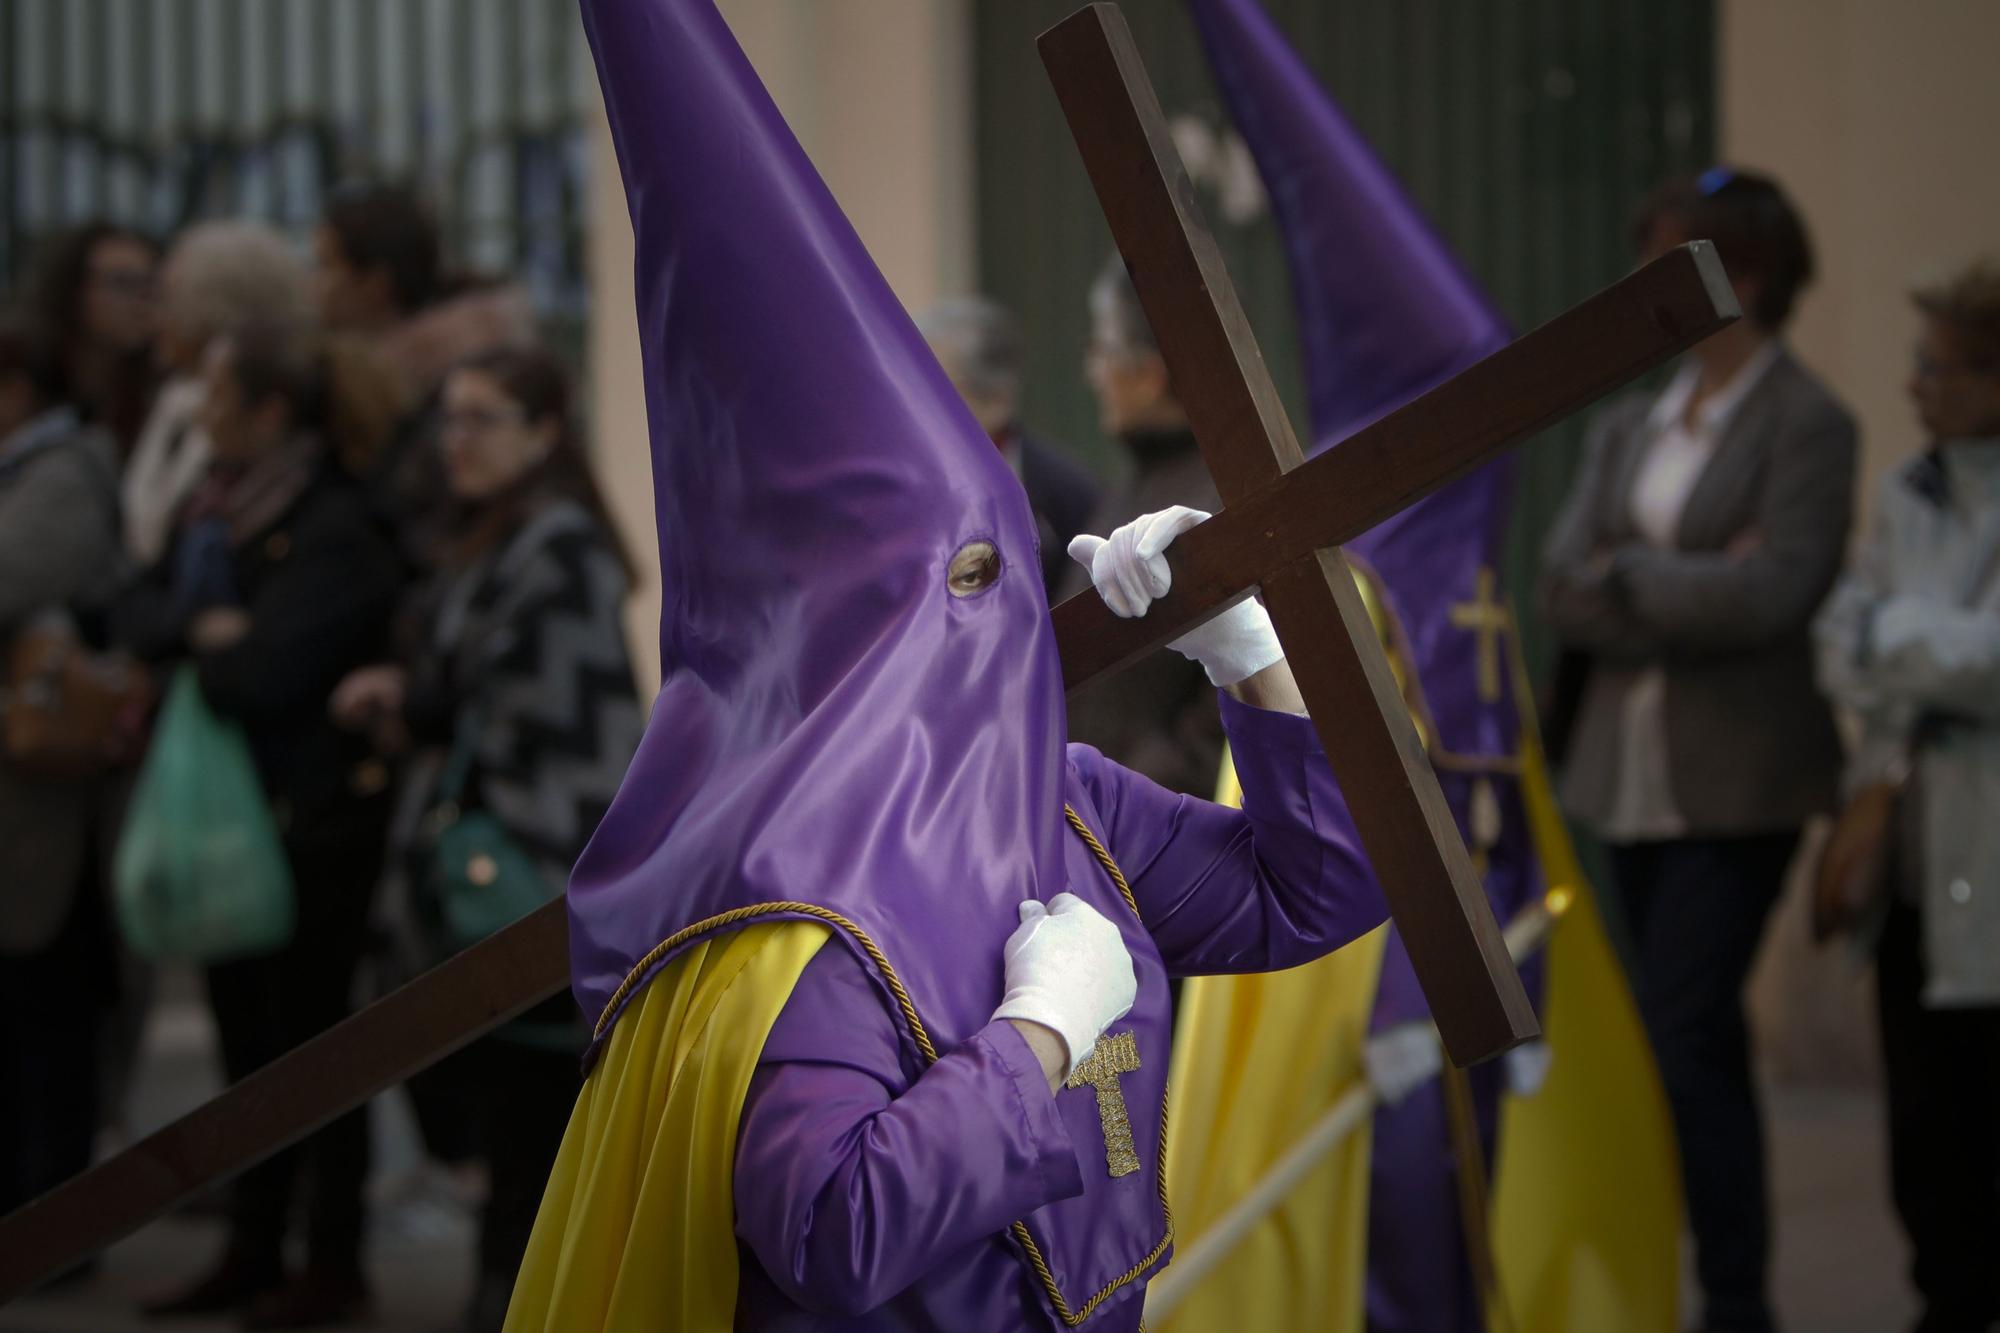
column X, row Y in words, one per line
column 59, row 540
column 1751, row 744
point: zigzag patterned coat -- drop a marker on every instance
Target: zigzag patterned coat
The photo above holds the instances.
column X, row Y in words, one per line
column 528, row 646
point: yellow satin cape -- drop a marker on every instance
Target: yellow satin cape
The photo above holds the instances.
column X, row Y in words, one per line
column 635, row 1232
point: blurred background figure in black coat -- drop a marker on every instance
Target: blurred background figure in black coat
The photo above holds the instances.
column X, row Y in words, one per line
column 1157, row 716
column 281, row 583
column 979, row 346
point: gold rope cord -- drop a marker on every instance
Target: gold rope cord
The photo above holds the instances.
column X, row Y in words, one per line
column 738, row 915
column 754, row 911
column 1021, row 1233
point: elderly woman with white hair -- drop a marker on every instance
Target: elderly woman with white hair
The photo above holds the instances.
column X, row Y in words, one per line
column 218, row 275
column 1910, row 643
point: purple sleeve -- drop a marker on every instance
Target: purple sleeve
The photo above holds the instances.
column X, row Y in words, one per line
column 1273, row 885
column 851, row 1180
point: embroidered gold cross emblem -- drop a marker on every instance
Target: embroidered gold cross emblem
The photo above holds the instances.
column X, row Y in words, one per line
column 1486, row 616
column 1111, row 1057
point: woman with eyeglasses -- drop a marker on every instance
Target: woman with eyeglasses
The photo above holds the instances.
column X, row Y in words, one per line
column 95, row 287
column 1705, row 526
column 523, row 714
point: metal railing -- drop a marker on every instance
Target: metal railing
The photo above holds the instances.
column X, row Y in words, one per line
column 155, row 113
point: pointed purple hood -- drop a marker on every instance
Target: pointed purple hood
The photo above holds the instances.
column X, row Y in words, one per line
column 1386, row 312
column 834, row 727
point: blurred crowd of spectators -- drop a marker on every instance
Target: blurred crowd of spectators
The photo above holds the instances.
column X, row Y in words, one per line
column 345, row 496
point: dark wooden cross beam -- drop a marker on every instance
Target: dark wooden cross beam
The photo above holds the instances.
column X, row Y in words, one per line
column 1277, row 531
column 1283, row 518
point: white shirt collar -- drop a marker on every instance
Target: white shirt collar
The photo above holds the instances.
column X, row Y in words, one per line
column 1714, row 414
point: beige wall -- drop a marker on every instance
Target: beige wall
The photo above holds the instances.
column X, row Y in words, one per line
column 879, row 92
column 1881, row 118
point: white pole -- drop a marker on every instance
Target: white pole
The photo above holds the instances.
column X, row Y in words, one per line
column 1193, row 1264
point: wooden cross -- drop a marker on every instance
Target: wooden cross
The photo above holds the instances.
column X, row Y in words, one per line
column 1108, row 1059
column 1486, row 616
column 1275, row 532
column 1279, row 531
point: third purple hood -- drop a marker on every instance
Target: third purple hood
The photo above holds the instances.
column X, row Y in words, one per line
column 1385, row 312
column 834, row 727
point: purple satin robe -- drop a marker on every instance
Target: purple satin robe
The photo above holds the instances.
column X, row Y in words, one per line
column 874, row 1193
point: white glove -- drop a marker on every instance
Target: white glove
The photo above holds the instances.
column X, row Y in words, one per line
column 1130, row 570
column 1401, row 1059
column 1068, row 969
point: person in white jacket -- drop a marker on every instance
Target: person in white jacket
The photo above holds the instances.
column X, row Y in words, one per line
column 1910, row 642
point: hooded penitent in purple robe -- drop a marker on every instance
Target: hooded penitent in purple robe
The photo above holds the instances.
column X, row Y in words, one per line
column 840, row 739
column 1387, row 312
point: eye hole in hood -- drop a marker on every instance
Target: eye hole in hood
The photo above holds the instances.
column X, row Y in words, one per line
column 973, row 569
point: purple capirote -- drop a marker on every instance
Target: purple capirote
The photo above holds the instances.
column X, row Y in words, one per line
column 836, row 733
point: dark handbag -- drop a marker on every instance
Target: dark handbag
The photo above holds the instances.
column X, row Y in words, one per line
column 68, row 712
column 479, row 877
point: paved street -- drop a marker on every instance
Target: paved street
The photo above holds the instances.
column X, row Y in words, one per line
column 420, row 1246
column 1839, row 1255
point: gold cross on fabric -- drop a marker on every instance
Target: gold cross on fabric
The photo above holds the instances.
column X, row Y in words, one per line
column 1486, row 616
column 1111, row 1057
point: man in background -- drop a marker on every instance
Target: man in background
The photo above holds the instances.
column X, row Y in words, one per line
column 979, row 345
column 1158, row 715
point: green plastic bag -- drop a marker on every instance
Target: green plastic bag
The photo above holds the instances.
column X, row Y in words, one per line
column 200, row 873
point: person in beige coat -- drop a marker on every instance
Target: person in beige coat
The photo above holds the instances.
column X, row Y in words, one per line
column 1910, row 642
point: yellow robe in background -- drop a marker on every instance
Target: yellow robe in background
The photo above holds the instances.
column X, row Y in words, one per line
column 1586, row 1208
column 1587, row 1202
column 636, row 1232
column 1258, row 1059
